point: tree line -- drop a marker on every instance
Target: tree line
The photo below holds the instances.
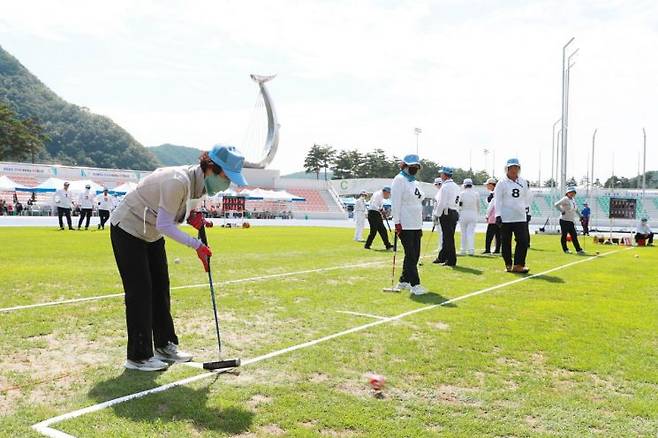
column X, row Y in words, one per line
column 351, row 163
column 20, row 139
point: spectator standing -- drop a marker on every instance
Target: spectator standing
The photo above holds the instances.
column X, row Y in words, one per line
column 584, row 218
column 359, row 216
column 64, row 202
column 86, row 202
column 105, row 206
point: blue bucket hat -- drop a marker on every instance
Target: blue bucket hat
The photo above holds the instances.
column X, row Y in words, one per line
column 571, row 189
column 386, row 189
column 230, row 160
column 447, row 170
column 512, row 162
column 411, row 160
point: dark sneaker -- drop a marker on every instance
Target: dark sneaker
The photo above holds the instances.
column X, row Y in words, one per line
column 171, row 353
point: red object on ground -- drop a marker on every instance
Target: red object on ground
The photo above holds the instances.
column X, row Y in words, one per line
column 376, row 381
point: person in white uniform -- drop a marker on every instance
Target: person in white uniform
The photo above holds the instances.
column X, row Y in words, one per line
column 447, row 206
column 359, row 216
column 436, row 214
column 407, row 207
column 469, row 211
column 64, row 202
column 643, row 232
column 86, row 202
column 511, row 202
column 105, row 206
column 376, row 215
column 569, row 216
column 161, row 201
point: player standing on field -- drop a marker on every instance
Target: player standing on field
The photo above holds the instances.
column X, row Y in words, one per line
column 376, row 217
column 359, row 216
column 407, row 207
column 438, row 182
column 493, row 230
column 469, row 210
column 569, row 215
column 511, row 200
column 448, row 217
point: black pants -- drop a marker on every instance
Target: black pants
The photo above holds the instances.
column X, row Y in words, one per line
column 376, row 226
column 411, row 242
column 64, row 212
column 145, row 277
column 104, row 216
column 493, row 230
column 647, row 237
column 448, row 222
column 84, row 213
column 585, row 223
column 569, row 227
column 527, row 222
column 520, row 232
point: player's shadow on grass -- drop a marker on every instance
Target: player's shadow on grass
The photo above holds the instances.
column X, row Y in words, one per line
column 431, row 298
column 548, row 278
column 467, row 270
column 181, row 404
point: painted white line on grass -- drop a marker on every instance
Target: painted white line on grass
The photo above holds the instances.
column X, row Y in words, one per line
column 44, row 427
column 192, row 286
column 367, row 315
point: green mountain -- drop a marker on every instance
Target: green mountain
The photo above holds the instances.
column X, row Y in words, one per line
column 76, row 136
column 173, row 155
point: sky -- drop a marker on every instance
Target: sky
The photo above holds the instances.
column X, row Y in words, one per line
column 472, row 74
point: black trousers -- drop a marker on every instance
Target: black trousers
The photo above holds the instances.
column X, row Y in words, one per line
column 585, row 223
column 493, row 230
column 448, row 222
column 647, row 237
column 64, row 212
column 104, row 216
column 520, row 232
column 145, row 277
column 84, row 213
column 569, row 227
column 411, row 242
column 376, row 226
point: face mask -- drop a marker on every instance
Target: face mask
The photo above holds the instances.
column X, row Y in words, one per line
column 215, row 184
column 412, row 171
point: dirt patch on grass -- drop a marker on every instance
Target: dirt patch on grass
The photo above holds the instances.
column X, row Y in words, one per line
column 272, row 430
column 438, row 325
column 337, row 433
column 257, row 400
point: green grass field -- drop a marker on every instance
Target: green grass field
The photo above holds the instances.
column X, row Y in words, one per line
column 573, row 352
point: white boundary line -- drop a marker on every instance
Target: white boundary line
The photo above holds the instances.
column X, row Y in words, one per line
column 192, row 286
column 367, row 315
column 44, row 427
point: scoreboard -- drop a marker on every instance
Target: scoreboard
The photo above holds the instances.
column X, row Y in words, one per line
column 623, row 208
column 233, row 203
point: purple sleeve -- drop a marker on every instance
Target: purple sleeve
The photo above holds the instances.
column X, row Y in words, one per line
column 165, row 224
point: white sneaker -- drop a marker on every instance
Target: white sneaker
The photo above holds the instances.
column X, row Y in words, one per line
column 151, row 364
column 418, row 290
column 403, row 285
column 171, row 353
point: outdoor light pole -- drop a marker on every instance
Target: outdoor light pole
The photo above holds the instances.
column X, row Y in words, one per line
column 644, row 165
column 563, row 130
column 591, row 176
column 553, row 153
column 417, row 131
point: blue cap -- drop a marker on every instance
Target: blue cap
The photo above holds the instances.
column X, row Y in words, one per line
column 512, row 162
column 447, row 170
column 230, row 160
column 386, row 189
column 571, row 189
column 411, row 159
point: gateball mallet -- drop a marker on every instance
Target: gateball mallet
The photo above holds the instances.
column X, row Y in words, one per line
column 395, row 252
column 427, row 245
column 220, row 364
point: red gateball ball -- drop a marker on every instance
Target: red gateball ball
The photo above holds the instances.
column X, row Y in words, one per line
column 377, row 381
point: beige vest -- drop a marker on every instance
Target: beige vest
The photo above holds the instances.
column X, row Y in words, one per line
column 170, row 188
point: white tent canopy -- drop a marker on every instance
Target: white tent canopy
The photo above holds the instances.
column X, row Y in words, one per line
column 125, row 187
column 271, row 195
column 7, row 184
column 51, row 184
column 79, row 186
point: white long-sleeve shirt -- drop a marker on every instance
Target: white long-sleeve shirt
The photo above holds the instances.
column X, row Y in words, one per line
column 63, row 199
column 448, row 197
column 469, row 201
column 106, row 203
column 87, row 199
column 569, row 209
column 407, row 203
column 377, row 201
column 360, row 206
column 512, row 199
column 643, row 228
